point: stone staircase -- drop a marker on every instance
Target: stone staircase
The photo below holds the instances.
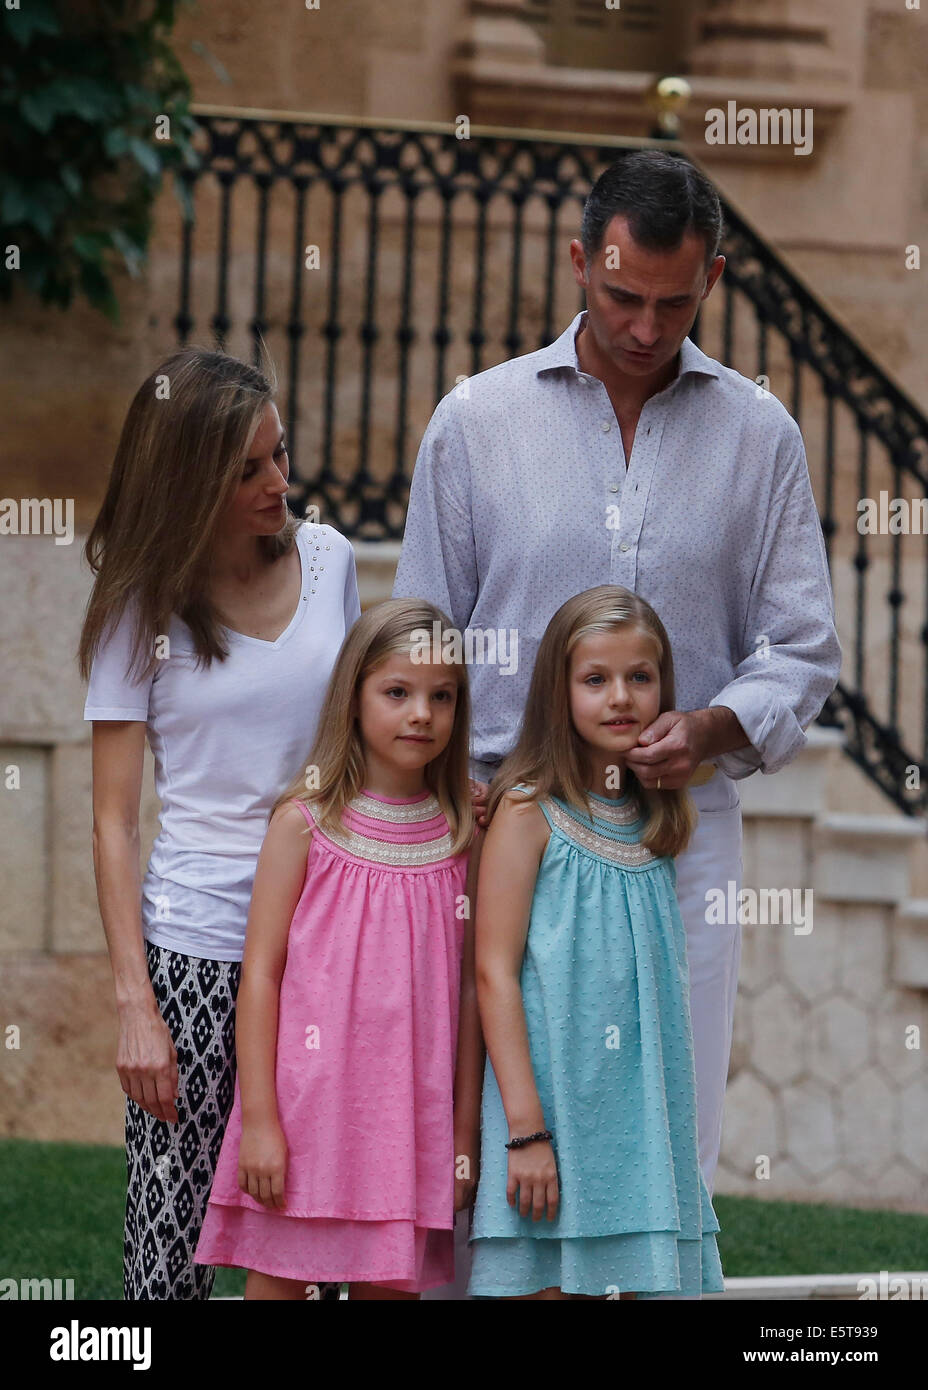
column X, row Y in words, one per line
column 826, row 1095
column 868, row 854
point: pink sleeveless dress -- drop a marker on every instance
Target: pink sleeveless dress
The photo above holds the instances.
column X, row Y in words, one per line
column 366, row 1041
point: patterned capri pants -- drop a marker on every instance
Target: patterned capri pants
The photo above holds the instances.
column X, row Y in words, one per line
column 171, row 1167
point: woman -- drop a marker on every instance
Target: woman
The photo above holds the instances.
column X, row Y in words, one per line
column 213, row 626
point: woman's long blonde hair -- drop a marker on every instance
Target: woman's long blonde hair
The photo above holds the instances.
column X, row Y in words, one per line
column 336, row 764
column 550, row 754
column 177, row 466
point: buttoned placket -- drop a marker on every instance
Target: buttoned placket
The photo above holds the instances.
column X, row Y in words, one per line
column 641, row 467
column 608, row 448
column 628, row 492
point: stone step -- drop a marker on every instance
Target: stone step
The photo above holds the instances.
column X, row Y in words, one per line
column 800, row 788
column 874, row 855
column 864, row 859
column 828, row 1286
column 910, row 944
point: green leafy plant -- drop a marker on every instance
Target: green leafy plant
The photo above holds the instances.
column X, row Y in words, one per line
column 94, row 110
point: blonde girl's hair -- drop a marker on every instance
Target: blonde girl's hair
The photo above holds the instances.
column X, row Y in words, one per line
column 178, row 464
column 550, row 754
column 336, row 760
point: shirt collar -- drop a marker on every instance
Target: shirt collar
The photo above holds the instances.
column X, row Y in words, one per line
column 563, row 353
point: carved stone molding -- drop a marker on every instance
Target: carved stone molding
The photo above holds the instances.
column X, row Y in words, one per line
column 495, row 33
column 768, row 40
column 763, row 54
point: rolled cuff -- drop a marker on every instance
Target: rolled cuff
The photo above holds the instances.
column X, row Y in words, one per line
column 775, row 733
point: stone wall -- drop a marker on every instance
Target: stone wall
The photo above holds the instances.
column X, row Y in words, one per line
column 826, row 1095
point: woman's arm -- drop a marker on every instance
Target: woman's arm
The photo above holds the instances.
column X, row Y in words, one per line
column 278, row 883
column 146, row 1058
column 511, row 855
column 468, row 1074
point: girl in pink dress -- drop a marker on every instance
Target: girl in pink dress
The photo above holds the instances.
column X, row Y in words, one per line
column 354, row 1131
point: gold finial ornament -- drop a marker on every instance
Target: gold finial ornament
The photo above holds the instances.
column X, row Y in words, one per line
column 667, row 97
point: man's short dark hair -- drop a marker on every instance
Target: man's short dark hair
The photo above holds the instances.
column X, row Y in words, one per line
column 663, row 197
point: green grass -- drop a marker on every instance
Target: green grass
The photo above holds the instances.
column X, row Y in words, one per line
column 778, row 1238
column 62, row 1208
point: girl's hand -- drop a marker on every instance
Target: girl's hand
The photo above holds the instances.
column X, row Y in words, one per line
column 465, row 1190
column 479, row 792
column 466, row 1168
column 534, row 1172
column 146, row 1060
column 262, row 1163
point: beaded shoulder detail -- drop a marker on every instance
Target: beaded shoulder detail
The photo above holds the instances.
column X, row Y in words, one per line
column 612, row 832
column 404, row 835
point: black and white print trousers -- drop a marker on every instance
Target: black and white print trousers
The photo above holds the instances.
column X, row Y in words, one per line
column 171, row 1167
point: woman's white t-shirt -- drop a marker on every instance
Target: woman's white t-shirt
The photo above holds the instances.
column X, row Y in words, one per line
column 226, row 740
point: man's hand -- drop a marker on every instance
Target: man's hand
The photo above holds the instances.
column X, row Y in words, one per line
column 479, row 791
column 670, row 749
column 676, row 743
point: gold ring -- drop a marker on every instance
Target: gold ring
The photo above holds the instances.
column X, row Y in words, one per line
column 658, row 784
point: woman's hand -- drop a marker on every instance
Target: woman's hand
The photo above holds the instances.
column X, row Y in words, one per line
column 146, row 1060
column 466, row 1167
column 479, row 792
column 533, row 1171
column 262, row 1163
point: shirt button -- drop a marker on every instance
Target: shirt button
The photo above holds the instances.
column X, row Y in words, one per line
column 624, row 545
column 607, row 426
column 614, row 488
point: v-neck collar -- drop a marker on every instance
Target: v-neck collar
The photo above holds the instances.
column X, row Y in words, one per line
column 302, row 605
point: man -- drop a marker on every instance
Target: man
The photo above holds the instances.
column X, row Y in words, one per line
column 621, row 454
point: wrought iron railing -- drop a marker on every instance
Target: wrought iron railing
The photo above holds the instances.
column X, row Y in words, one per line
column 383, row 264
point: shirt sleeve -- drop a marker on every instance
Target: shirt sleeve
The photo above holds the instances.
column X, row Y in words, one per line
column 111, row 693
column 438, row 560
column 792, row 654
column 352, row 597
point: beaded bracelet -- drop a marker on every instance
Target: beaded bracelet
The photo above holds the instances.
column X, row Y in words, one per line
column 529, row 1139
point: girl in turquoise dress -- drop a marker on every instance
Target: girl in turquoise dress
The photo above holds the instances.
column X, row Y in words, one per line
column 583, row 986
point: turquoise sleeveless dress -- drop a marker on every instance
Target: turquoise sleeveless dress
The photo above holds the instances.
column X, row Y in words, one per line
column 605, row 987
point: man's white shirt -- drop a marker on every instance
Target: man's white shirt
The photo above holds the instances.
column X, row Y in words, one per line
column 521, row 499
